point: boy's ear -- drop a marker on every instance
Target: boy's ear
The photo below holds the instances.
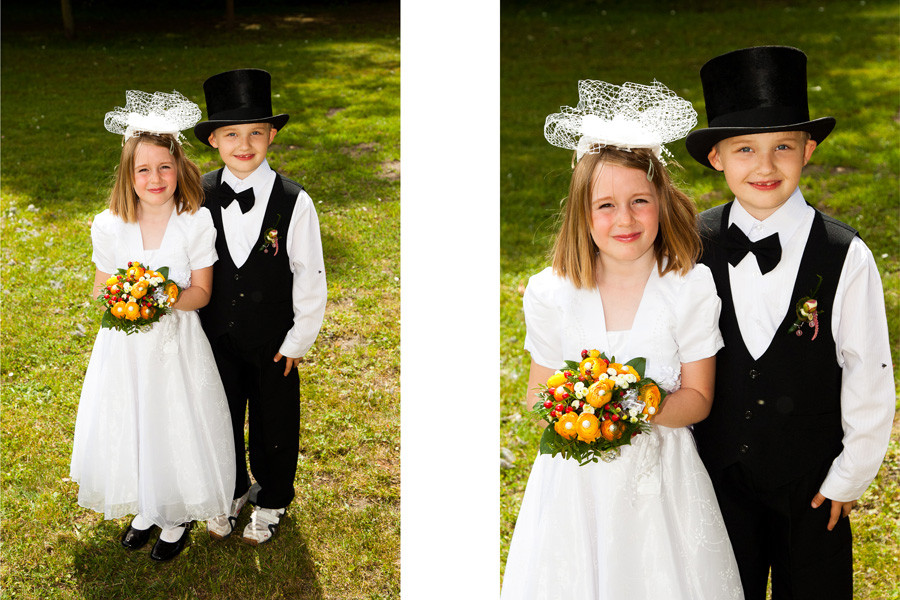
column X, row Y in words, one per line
column 272, row 132
column 212, row 140
column 808, row 150
column 713, row 157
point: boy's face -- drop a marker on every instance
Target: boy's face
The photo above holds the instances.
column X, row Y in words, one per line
column 763, row 169
column 243, row 147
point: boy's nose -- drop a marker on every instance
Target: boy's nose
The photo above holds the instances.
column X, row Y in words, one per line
column 766, row 163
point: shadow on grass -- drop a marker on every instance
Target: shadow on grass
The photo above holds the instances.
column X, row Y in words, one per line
column 282, row 568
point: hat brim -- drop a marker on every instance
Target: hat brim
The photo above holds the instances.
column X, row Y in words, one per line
column 700, row 142
column 204, row 128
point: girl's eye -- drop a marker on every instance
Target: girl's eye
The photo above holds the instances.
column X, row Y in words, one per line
column 603, row 205
column 641, row 200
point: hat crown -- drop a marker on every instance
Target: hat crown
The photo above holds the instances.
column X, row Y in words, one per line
column 241, row 94
column 763, row 86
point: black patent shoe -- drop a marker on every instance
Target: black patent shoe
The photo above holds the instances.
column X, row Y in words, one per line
column 163, row 551
column 136, row 538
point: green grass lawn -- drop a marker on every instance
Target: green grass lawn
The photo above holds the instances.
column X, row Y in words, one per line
column 336, row 71
column 853, row 56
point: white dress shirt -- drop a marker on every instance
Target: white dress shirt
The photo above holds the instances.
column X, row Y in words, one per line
column 303, row 244
column 858, row 325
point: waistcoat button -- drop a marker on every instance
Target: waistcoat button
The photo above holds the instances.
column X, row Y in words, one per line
column 744, row 449
column 753, row 372
column 748, row 415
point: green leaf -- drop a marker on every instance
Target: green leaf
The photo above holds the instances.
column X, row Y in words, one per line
column 639, row 364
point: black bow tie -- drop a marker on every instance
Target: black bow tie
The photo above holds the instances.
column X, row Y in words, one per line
column 767, row 250
column 244, row 199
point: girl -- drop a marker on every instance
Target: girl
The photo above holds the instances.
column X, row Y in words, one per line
column 646, row 524
column 153, row 432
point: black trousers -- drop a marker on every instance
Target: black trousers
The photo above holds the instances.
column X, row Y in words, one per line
column 254, row 381
column 778, row 528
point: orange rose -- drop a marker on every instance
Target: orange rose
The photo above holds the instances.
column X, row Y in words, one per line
column 592, row 366
column 563, row 392
column 132, row 311
column 650, row 396
column 147, row 312
column 611, row 430
column 599, row 392
column 134, row 272
column 118, row 310
column 139, row 290
column 566, row 425
column 172, row 292
column 587, row 427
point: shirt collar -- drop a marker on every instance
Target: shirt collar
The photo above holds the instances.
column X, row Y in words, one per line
column 254, row 179
column 783, row 221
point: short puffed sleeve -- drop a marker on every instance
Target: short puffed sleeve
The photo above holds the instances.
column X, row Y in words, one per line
column 543, row 337
column 697, row 316
column 201, row 246
column 103, row 240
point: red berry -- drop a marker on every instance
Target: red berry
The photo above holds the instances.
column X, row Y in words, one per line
column 615, row 418
column 548, row 404
column 553, row 413
column 569, row 409
column 567, row 374
column 551, row 391
column 584, row 354
column 560, row 407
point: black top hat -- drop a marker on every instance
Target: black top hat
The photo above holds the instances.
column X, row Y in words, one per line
column 754, row 90
column 238, row 97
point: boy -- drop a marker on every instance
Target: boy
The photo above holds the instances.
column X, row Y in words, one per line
column 268, row 295
column 801, row 417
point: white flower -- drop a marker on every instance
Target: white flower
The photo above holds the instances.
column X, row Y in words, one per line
column 632, row 378
column 579, row 386
column 127, row 287
column 602, row 376
column 611, row 372
column 588, row 409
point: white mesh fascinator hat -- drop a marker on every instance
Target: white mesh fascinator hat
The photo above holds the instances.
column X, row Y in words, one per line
column 153, row 113
column 626, row 116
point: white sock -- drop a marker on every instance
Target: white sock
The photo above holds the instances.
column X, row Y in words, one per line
column 141, row 523
column 171, row 534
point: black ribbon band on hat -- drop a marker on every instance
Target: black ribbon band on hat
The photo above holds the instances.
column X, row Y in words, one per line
column 226, row 196
column 766, row 250
column 768, row 116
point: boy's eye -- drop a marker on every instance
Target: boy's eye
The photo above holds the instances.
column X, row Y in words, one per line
column 782, row 147
column 745, row 149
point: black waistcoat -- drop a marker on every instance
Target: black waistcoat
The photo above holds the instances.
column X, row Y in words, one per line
column 253, row 302
column 779, row 415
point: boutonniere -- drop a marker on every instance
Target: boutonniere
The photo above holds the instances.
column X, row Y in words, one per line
column 807, row 309
column 270, row 238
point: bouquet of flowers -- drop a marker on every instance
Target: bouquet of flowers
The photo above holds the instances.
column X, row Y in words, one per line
column 595, row 406
column 135, row 298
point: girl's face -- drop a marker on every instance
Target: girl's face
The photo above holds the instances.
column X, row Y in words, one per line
column 155, row 174
column 624, row 213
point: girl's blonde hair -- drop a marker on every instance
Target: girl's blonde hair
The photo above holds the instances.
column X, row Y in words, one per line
column 123, row 201
column 677, row 245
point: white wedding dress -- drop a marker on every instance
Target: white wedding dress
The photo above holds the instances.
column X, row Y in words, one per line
column 646, row 525
column 153, row 433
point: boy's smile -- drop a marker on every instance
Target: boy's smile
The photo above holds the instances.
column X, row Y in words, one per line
column 763, row 169
column 243, row 147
